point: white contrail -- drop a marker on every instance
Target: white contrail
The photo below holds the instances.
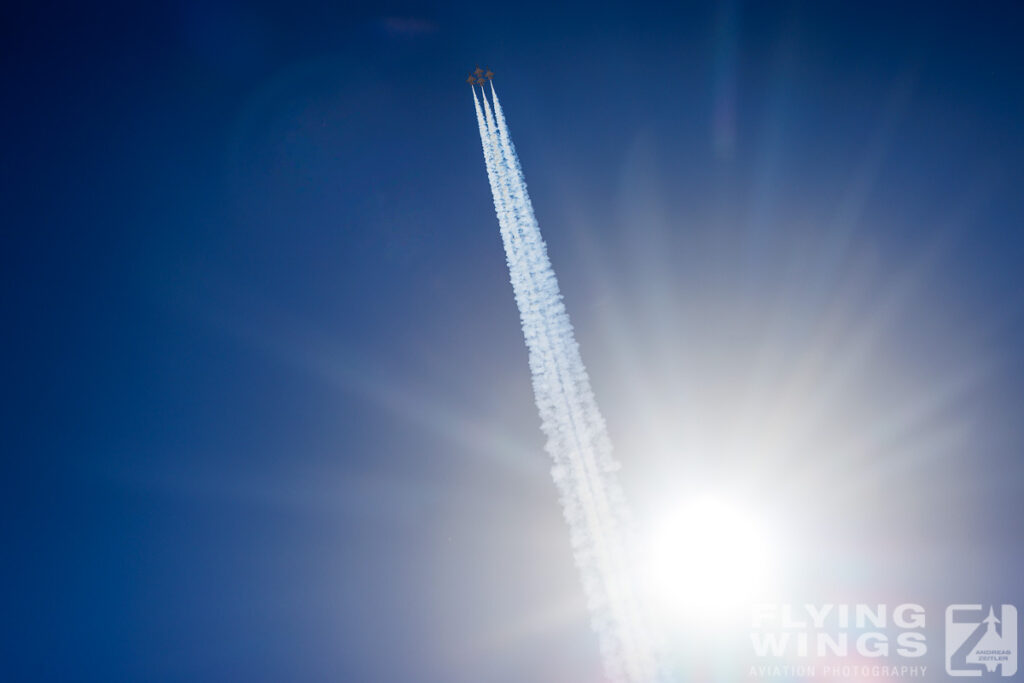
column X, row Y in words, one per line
column 577, row 440
column 501, row 203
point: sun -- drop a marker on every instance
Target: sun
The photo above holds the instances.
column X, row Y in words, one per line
column 705, row 558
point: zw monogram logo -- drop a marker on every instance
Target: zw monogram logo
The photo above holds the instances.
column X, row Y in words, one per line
column 981, row 640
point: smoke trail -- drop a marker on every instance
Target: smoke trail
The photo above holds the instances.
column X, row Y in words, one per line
column 577, row 439
column 501, row 204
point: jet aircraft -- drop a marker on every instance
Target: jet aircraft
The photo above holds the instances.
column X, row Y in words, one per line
column 478, row 76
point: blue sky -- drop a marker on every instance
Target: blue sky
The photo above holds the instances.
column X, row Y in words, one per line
column 269, row 414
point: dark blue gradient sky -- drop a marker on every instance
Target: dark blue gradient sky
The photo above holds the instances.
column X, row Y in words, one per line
column 268, row 414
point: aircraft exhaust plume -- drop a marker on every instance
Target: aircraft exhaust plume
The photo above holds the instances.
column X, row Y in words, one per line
column 577, row 440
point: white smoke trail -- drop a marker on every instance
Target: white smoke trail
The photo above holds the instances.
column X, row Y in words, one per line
column 577, row 439
column 502, row 204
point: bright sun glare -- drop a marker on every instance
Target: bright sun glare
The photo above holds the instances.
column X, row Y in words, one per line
column 705, row 558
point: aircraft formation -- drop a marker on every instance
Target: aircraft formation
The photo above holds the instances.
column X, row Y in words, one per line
column 479, row 76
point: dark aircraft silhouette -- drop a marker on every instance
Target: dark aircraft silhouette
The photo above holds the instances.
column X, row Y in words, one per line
column 478, row 76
